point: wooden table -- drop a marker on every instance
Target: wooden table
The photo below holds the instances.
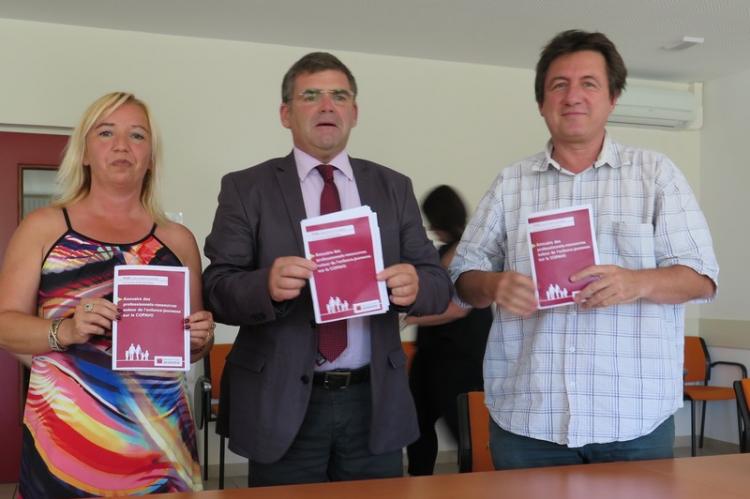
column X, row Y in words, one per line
column 713, row 477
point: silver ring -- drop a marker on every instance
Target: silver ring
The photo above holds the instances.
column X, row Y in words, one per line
column 89, row 307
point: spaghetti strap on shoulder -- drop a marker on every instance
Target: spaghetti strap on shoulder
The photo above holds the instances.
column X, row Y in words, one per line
column 67, row 218
column 153, row 229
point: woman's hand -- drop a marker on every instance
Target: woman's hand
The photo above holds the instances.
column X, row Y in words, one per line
column 92, row 317
column 201, row 325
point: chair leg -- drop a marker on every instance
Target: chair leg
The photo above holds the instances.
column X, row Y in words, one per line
column 703, row 421
column 692, row 428
column 741, row 429
column 221, row 463
column 205, row 447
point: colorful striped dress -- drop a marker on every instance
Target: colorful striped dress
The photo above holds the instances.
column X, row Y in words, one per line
column 89, row 430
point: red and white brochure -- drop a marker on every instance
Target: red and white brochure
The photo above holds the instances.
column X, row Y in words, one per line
column 155, row 300
column 561, row 242
column 346, row 247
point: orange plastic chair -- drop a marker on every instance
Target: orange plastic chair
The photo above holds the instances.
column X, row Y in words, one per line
column 473, row 433
column 206, row 402
column 410, row 348
column 697, row 375
column 742, row 390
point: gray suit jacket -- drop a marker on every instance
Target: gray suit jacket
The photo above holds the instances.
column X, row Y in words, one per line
column 270, row 367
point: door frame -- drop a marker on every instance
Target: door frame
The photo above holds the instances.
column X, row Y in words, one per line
column 26, row 153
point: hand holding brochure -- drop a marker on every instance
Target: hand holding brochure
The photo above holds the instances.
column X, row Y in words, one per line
column 151, row 333
column 346, row 247
column 561, row 243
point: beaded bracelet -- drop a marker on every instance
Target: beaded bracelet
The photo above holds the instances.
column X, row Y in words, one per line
column 54, row 342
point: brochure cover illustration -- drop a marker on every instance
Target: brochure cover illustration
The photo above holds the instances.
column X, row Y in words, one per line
column 561, row 243
column 347, row 250
column 151, row 332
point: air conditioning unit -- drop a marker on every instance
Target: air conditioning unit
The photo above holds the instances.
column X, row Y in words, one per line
column 652, row 106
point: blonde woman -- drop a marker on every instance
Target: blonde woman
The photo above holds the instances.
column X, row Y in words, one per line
column 89, row 430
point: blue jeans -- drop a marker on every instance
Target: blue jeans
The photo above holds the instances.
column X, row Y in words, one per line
column 510, row 451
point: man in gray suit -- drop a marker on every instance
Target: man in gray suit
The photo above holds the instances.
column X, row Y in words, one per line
column 302, row 413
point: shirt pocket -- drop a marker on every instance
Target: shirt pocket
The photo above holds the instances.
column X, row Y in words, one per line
column 629, row 245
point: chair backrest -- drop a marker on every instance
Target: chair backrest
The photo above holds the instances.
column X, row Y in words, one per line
column 745, row 385
column 742, row 390
column 215, row 366
column 474, row 433
column 696, row 360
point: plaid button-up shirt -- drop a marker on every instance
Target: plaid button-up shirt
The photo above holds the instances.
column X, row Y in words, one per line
column 575, row 376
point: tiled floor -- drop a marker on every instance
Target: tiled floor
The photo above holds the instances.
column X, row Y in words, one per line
column 7, row 490
column 235, row 482
column 712, row 447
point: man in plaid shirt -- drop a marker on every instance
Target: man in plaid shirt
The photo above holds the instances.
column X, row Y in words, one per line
column 599, row 380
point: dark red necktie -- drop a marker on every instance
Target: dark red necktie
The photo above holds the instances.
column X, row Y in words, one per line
column 331, row 335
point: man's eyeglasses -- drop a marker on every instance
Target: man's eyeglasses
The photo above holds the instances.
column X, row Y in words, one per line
column 339, row 96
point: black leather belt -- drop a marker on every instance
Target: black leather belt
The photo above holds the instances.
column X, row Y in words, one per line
column 338, row 379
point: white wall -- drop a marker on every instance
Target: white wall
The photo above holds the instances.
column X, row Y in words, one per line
column 724, row 191
column 726, row 177
column 217, row 103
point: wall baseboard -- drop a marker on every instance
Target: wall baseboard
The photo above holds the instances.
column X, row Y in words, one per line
column 447, row 456
column 725, row 333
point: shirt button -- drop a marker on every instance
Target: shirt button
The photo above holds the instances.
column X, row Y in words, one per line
column 305, row 379
column 572, row 349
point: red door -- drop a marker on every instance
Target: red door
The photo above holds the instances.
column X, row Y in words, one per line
column 17, row 151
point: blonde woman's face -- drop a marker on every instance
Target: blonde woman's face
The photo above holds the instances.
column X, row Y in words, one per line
column 118, row 148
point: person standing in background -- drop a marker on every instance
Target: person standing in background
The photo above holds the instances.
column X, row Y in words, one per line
column 450, row 346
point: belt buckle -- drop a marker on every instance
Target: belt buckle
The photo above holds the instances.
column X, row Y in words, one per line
column 344, row 376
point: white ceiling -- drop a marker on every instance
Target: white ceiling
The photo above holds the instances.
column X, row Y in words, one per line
column 494, row 32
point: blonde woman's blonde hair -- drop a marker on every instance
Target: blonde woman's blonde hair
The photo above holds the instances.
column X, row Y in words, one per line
column 74, row 178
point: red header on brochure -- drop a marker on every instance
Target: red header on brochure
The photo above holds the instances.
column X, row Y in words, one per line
column 151, row 332
column 348, row 257
column 561, row 243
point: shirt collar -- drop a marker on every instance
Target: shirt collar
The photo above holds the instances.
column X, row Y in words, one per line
column 306, row 163
column 609, row 155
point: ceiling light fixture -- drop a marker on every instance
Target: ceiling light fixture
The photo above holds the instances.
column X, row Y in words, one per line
column 685, row 43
